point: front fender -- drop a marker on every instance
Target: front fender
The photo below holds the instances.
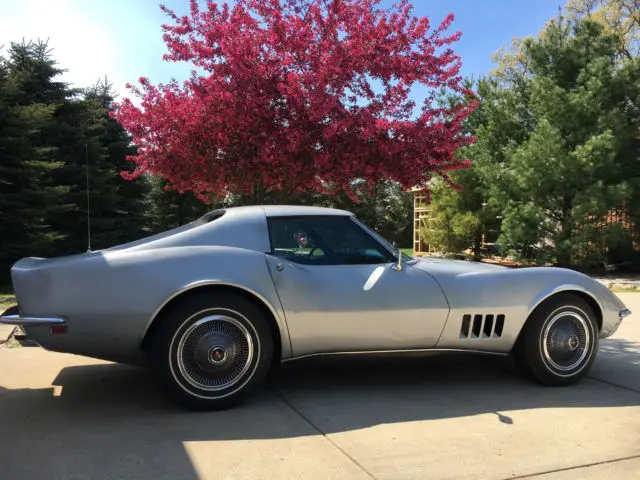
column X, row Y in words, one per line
column 513, row 294
column 611, row 308
column 565, row 287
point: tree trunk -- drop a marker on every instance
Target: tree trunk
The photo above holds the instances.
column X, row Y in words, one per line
column 563, row 253
column 477, row 243
column 257, row 196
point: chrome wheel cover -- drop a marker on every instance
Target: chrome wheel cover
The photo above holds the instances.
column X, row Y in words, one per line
column 215, row 352
column 566, row 341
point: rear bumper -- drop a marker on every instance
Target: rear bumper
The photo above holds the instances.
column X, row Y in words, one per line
column 11, row 318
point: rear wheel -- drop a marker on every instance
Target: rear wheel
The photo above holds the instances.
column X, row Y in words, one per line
column 212, row 350
column 559, row 342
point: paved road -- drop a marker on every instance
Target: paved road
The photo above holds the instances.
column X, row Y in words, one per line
column 436, row 417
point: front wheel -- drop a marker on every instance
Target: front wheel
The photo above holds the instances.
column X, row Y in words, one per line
column 560, row 341
column 212, row 350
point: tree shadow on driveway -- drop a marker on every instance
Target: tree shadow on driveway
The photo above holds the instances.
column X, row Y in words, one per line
column 112, row 421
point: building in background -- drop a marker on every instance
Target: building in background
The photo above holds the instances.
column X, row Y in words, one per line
column 421, row 219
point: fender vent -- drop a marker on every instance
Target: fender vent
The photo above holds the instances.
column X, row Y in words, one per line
column 482, row 326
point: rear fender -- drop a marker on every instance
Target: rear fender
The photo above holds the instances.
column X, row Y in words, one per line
column 275, row 310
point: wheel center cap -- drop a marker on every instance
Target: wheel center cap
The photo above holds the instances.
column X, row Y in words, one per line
column 573, row 342
column 217, row 354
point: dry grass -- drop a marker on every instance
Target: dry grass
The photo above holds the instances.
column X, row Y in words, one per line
column 634, row 289
column 6, row 301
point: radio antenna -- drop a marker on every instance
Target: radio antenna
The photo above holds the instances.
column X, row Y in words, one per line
column 86, row 154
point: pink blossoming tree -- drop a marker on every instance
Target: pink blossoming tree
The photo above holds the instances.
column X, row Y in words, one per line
column 299, row 95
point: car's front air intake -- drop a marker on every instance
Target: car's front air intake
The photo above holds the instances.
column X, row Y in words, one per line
column 482, row 326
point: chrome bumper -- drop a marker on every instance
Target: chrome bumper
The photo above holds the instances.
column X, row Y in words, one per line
column 27, row 321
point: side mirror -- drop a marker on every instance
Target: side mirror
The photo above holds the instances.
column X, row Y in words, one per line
column 398, row 253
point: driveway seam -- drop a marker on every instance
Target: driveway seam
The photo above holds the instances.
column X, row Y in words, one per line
column 595, row 464
column 317, row 429
column 614, row 384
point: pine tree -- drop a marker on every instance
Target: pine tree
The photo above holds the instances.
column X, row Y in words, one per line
column 75, row 134
column 29, row 99
column 459, row 210
column 170, row 208
column 131, row 205
column 576, row 103
column 93, row 148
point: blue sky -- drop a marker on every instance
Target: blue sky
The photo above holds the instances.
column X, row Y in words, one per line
column 123, row 39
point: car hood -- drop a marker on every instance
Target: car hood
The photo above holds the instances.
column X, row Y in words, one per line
column 442, row 267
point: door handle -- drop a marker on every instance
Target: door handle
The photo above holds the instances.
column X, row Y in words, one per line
column 279, row 267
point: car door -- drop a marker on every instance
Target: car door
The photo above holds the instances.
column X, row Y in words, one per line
column 340, row 291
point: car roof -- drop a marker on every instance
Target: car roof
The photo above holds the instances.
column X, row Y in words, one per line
column 291, row 210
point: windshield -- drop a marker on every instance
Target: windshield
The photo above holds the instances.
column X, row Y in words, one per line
column 384, row 241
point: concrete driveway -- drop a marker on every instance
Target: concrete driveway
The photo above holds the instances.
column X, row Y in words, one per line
column 438, row 416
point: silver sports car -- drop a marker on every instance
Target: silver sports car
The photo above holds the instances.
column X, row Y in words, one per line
column 213, row 305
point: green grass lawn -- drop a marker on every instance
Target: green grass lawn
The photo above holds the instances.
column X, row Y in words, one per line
column 407, row 251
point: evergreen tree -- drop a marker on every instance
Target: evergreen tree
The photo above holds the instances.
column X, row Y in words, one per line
column 76, row 137
column 130, row 209
column 170, row 208
column 93, row 148
column 577, row 103
column 29, row 99
column 459, row 209
column 388, row 209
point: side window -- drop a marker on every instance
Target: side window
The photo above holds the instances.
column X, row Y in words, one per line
column 331, row 240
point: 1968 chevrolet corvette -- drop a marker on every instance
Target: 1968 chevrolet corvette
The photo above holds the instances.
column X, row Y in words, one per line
column 211, row 306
